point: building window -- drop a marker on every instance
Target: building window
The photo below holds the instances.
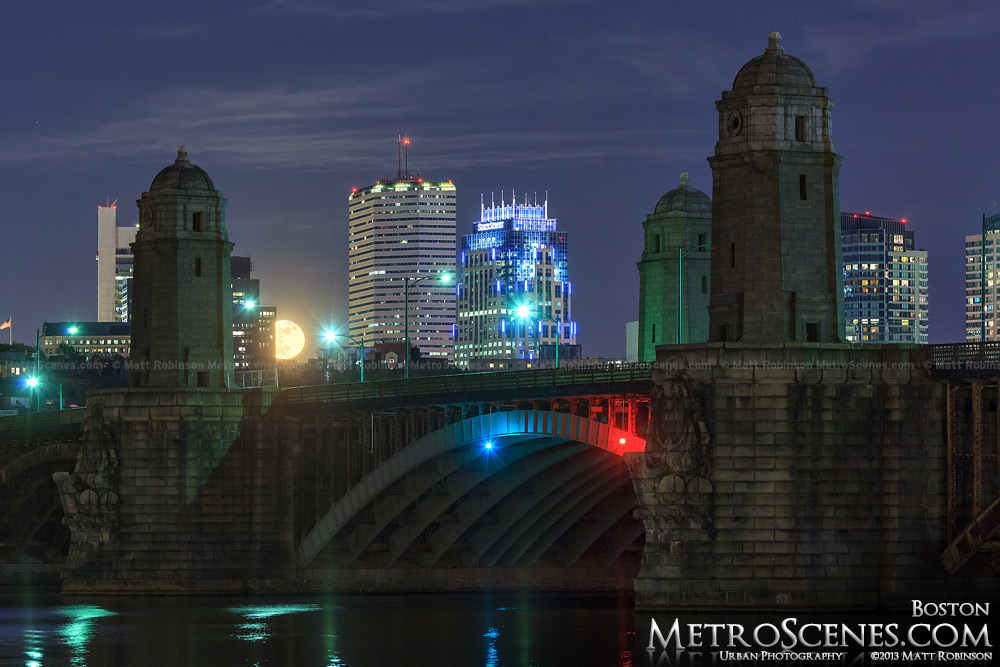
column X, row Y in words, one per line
column 732, row 255
column 704, row 284
column 196, row 222
column 656, row 243
column 800, row 128
column 802, row 187
column 702, row 241
column 202, row 378
column 812, row 332
column 197, row 267
column 653, row 339
column 723, row 332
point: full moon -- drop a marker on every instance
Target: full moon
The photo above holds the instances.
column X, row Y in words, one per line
column 288, row 339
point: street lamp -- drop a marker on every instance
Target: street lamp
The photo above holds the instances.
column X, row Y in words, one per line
column 331, row 337
column 523, row 312
column 410, row 282
column 34, row 382
column 681, row 254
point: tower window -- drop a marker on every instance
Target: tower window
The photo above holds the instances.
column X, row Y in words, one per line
column 812, row 332
column 803, row 195
column 653, row 339
column 656, row 243
column 800, row 128
column 732, row 255
column 196, row 222
column 704, row 284
column 702, row 241
column 197, row 267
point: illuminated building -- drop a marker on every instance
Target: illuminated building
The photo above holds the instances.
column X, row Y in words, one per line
column 678, row 231
column 403, row 231
column 114, row 265
column 514, row 294
column 885, row 281
column 982, row 301
column 253, row 324
column 89, row 339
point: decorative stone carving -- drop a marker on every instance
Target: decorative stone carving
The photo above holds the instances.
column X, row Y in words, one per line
column 90, row 494
column 672, row 477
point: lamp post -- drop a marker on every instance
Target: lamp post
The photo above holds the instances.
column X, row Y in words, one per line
column 331, row 336
column 681, row 254
column 523, row 312
column 34, row 382
column 410, row 282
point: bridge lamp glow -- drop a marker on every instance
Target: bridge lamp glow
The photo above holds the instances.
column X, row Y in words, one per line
column 32, row 382
column 523, row 311
column 488, row 444
column 330, row 336
column 72, row 331
column 621, row 441
column 249, row 305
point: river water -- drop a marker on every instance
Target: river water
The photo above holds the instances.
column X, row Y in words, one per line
column 351, row 630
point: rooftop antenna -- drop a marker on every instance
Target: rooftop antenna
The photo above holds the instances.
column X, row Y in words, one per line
column 402, row 157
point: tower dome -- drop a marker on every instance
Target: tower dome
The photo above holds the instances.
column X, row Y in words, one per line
column 182, row 175
column 773, row 68
column 685, row 199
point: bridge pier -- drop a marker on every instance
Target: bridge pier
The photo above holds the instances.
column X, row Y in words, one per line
column 174, row 492
column 797, row 474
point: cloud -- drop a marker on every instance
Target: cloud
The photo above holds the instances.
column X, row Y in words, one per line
column 898, row 23
column 340, row 122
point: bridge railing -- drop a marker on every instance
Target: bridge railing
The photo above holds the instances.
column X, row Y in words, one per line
column 470, row 382
column 40, row 422
column 965, row 355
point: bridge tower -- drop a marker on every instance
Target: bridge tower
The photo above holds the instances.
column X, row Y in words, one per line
column 777, row 273
column 183, row 314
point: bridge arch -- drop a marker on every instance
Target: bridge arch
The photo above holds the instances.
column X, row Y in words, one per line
column 507, row 504
column 30, row 512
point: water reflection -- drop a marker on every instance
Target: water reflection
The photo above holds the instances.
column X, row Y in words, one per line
column 330, row 631
column 491, row 647
column 79, row 632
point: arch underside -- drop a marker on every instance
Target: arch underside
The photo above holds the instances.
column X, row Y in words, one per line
column 31, row 529
column 558, row 497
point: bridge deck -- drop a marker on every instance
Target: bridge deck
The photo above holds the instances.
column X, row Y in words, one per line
column 464, row 387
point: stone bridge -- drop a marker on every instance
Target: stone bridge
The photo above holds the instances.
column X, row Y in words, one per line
column 742, row 475
column 507, row 476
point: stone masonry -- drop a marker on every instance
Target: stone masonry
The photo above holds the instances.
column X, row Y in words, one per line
column 796, row 474
column 200, row 495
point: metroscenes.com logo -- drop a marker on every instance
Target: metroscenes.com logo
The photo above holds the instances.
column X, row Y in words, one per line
column 935, row 633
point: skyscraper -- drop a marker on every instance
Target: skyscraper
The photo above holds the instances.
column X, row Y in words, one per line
column 982, row 287
column 402, row 232
column 885, row 281
column 114, row 265
column 514, row 293
column 253, row 324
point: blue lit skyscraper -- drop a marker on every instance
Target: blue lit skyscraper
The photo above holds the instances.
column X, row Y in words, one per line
column 514, row 292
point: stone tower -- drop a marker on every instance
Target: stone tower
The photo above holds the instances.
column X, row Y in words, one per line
column 182, row 326
column 776, row 258
column 681, row 223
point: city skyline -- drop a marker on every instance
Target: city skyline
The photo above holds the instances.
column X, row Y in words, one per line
column 292, row 107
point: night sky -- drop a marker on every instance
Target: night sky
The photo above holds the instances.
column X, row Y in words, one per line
column 287, row 105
